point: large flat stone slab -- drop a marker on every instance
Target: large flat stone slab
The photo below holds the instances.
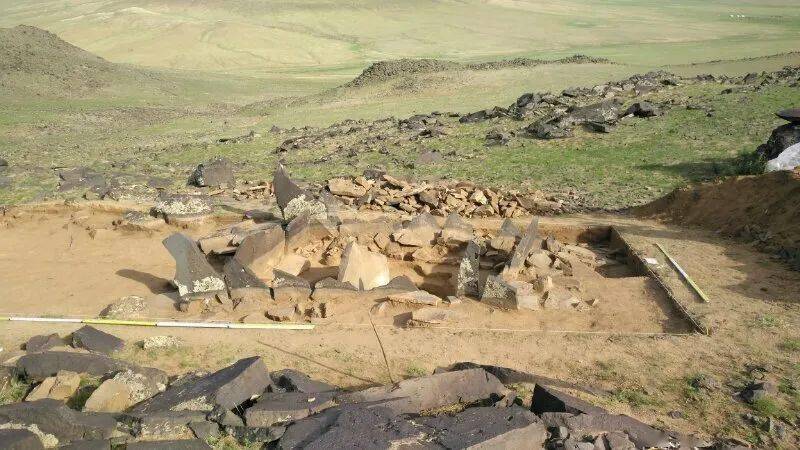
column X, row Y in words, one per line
column 94, row 340
column 362, row 268
column 277, row 408
column 54, row 418
column 488, row 428
column 19, row 440
column 38, row 366
column 547, row 399
column 226, row 388
column 435, row 391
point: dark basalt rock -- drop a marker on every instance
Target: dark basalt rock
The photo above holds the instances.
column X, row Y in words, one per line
column 792, row 115
column 94, row 340
column 546, row 399
column 19, row 440
column 54, row 417
column 38, row 366
column 43, row 342
column 217, row 172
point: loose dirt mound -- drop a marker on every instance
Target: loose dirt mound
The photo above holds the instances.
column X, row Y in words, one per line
column 36, row 61
column 764, row 208
column 385, row 70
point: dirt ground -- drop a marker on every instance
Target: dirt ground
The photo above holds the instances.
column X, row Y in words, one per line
column 633, row 343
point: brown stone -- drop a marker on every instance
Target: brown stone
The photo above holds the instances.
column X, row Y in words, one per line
column 362, row 268
column 60, row 387
column 415, row 298
column 262, row 251
column 110, row 396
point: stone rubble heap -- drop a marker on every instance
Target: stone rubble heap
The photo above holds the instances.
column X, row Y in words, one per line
column 462, row 406
column 262, row 262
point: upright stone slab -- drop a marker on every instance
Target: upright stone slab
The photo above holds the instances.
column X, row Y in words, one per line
column 506, row 237
column 304, row 230
column 363, row 268
column 262, row 251
column 468, row 271
column 95, row 340
column 524, row 248
column 217, row 172
column 193, row 274
column 226, row 388
column 293, row 200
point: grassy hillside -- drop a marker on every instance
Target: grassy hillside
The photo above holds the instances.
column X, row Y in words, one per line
column 331, row 36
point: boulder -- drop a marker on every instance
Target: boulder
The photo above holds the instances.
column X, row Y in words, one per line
column 548, row 130
column 488, row 428
column 346, row 188
column 38, row 366
column 243, row 283
column 431, row 392
column 641, row 434
column 781, row 138
column 293, row 264
column 293, row 200
column 12, row 439
column 456, row 230
column 60, row 387
column 182, row 205
column 329, row 289
column 54, row 418
column 643, row 109
column 469, row 271
column 304, row 230
column 262, row 251
column 415, row 298
column 193, row 274
column 295, row 381
column 276, row 408
column 288, row 288
column 217, row 172
column 260, row 437
column 163, row 425
column 506, row 238
column 429, row 316
column 606, row 111
column 506, row 294
column 791, row 115
column 363, row 268
column 419, row 232
column 227, row 388
column 181, row 444
column 94, row 340
column 547, row 399
column 111, row 396
column 43, row 342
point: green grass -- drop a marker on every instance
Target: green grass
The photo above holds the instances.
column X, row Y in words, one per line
column 13, row 391
column 790, row 345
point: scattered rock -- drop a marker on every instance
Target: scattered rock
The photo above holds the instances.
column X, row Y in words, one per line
column 415, row 298
column 43, row 342
column 295, row 381
column 129, row 307
column 110, row 396
column 345, row 187
column 643, row 109
column 429, row 316
column 161, row 342
column 181, row 444
column 287, row 288
column 57, row 423
column 272, row 409
column 182, row 205
column 456, row 230
column 488, row 427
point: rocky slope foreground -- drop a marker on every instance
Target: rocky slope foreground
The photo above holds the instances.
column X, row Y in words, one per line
column 83, row 398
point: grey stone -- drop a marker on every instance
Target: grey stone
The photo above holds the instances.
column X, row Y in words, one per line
column 617, row 440
column 182, row 444
column 488, row 428
column 256, row 435
column 19, row 440
column 289, row 288
column 182, row 205
column 295, row 381
column 238, row 276
column 276, row 408
column 354, row 426
column 228, row 388
column 524, row 248
column 88, row 445
column 38, row 366
column 643, row 109
column 547, row 399
column 506, row 238
column 204, row 430
column 217, row 172
column 304, row 230
column 94, row 340
column 54, row 418
column 781, row 138
column 467, row 282
column 792, row 115
column 604, row 111
column 193, row 274
column 293, row 200
column 456, row 229
column 435, row 391
column 43, row 342
column 262, row 251
column 162, row 425
column 641, row 434
column 419, row 232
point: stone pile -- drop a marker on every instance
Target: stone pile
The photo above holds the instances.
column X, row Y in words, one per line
column 383, row 192
column 262, row 264
column 463, row 406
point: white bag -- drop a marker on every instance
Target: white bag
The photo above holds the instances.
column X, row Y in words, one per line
column 787, row 160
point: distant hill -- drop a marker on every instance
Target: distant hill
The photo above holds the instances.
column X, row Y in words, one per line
column 386, row 70
column 35, row 61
